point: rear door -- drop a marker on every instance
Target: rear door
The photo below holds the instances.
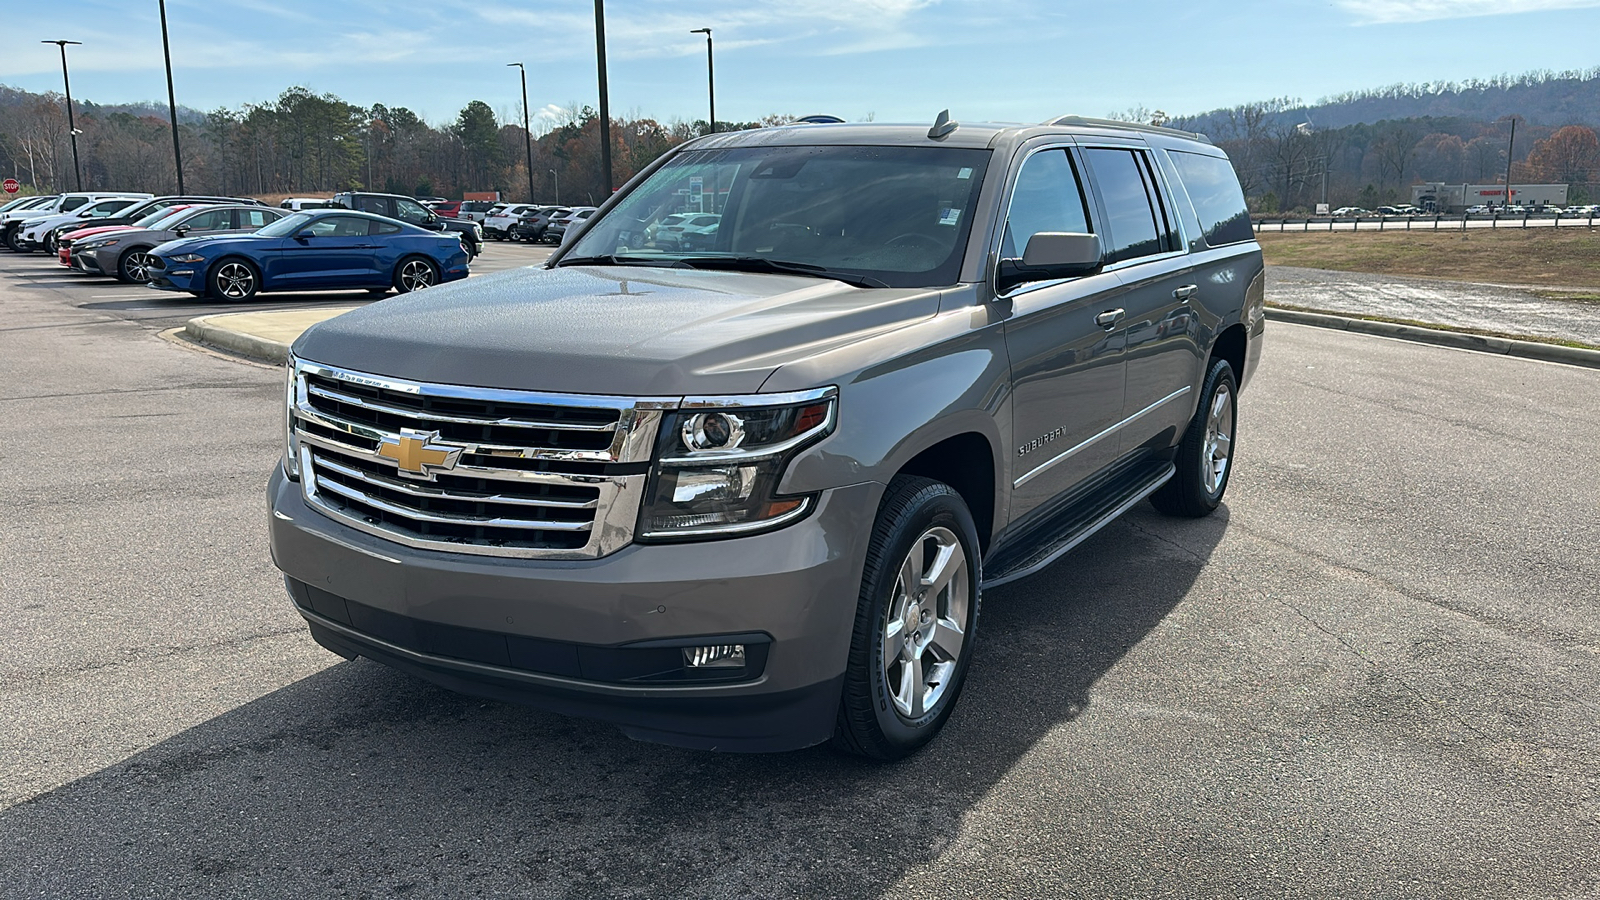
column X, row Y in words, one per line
column 1145, row 249
column 1066, row 368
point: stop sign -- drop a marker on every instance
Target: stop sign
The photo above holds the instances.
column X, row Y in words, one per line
column 11, row 185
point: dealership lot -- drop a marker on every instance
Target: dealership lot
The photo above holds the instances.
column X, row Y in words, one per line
column 1376, row 674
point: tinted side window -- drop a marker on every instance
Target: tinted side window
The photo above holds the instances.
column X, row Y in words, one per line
column 72, row 203
column 1134, row 213
column 211, row 220
column 1218, row 200
column 1047, row 197
column 384, row 227
column 256, row 218
column 372, row 205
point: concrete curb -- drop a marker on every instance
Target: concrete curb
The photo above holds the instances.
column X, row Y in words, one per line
column 202, row 330
column 1572, row 356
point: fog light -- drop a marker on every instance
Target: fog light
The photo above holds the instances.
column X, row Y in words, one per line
column 719, row 656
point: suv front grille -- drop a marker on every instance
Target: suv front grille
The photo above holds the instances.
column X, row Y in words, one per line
column 473, row 470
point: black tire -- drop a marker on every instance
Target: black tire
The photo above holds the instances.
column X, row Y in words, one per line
column 1196, row 489
column 233, row 280
column 132, row 266
column 11, row 240
column 871, row 721
column 415, row 273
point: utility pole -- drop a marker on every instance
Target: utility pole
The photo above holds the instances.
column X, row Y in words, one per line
column 172, row 103
column 527, row 135
column 72, row 130
column 605, row 101
column 711, row 80
column 1510, row 145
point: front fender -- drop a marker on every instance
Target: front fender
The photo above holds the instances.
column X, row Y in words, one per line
column 894, row 403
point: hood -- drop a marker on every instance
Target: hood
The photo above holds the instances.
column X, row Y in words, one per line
column 94, row 231
column 201, row 240
column 628, row 331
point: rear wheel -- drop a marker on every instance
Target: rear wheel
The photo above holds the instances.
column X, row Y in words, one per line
column 235, row 280
column 415, row 273
column 915, row 621
column 1205, row 456
column 133, row 267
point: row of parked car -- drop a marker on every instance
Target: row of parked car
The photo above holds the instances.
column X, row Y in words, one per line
column 232, row 248
column 1346, row 212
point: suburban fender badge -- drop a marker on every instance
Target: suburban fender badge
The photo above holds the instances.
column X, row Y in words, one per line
column 416, row 454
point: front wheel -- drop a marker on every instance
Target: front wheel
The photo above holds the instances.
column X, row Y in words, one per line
column 915, row 621
column 1205, row 456
column 414, row 274
column 234, row 280
column 134, row 266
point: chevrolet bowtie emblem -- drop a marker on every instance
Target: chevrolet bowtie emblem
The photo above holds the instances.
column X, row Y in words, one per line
column 416, row 454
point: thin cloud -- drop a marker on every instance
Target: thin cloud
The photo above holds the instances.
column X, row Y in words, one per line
column 1389, row 12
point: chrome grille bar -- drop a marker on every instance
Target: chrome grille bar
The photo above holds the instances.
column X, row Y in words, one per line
column 433, row 493
column 418, row 515
column 432, row 416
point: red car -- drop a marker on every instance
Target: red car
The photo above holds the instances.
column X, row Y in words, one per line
column 447, row 209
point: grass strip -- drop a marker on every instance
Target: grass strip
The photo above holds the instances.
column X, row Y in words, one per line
column 1480, row 332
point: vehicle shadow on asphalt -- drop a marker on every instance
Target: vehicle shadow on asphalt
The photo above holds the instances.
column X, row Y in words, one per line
column 363, row 781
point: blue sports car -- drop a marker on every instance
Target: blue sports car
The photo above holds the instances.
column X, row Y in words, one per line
column 310, row 251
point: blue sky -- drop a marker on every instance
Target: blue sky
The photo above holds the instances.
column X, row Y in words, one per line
column 897, row 60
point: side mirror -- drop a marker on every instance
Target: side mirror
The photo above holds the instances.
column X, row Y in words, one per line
column 1051, row 255
column 308, row 233
column 181, row 231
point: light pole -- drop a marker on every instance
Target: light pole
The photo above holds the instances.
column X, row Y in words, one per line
column 605, row 101
column 77, row 172
column 172, row 103
column 1511, row 146
column 557, row 176
column 711, row 80
column 527, row 135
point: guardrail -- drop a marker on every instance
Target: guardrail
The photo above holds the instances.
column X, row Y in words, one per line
column 1423, row 223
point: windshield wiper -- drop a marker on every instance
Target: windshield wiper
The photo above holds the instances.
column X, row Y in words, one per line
column 780, row 266
column 614, row 260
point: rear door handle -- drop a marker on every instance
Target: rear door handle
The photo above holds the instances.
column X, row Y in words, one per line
column 1109, row 319
column 1185, row 292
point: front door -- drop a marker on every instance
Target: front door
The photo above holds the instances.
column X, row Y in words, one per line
column 337, row 252
column 1066, row 367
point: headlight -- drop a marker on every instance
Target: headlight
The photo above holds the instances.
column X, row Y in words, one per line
column 291, row 445
column 719, row 463
column 96, row 245
column 189, row 258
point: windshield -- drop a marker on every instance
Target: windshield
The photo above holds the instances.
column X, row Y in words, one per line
column 898, row 216
column 285, row 226
column 162, row 220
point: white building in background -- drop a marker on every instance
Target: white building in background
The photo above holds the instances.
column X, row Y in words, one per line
column 1454, row 198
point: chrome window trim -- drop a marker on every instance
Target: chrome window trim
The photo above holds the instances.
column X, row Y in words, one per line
column 1040, row 469
column 997, row 233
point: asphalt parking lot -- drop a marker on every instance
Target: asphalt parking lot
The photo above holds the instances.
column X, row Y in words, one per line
column 1374, row 673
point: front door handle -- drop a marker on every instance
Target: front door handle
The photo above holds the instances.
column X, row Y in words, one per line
column 1109, row 319
column 1185, row 292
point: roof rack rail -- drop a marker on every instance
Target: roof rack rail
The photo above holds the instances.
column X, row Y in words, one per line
column 1132, row 126
column 819, row 120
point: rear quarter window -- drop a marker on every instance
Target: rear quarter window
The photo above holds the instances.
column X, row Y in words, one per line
column 1218, row 200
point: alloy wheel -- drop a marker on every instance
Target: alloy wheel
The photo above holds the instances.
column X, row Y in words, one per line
column 416, row 275
column 139, row 267
column 1218, row 448
column 236, row 281
column 926, row 624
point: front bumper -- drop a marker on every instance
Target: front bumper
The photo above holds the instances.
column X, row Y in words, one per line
column 189, row 277
column 97, row 262
column 582, row 637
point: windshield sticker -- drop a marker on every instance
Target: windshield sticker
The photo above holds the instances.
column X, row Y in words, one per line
column 949, row 216
column 966, row 172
